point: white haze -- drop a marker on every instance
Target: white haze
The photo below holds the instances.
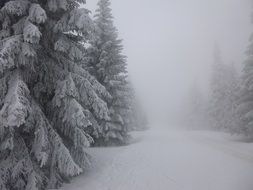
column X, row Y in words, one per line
column 169, row 44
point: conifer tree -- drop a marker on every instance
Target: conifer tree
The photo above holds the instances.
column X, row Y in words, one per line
column 217, row 90
column 224, row 94
column 245, row 108
column 48, row 102
column 231, row 121
column 109, row 66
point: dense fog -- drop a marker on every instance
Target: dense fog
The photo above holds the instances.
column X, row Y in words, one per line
column 170, row 46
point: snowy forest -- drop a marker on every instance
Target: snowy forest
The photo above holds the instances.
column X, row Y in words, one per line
column 85, row 105
column 64, row 87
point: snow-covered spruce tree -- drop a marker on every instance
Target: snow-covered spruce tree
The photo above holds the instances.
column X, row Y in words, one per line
column 232, row 119
column 224, row 94
column 245, row 108
column 217, row 91
column 109, row 66
column 48, row 101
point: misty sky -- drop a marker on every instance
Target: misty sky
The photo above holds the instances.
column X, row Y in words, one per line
column 169, row 44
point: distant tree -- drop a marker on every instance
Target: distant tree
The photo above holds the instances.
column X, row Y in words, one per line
column 47, row 99
column 245, row 108
column 232, row 120
column 224, row 93
column 109, row 66
column 217, row 90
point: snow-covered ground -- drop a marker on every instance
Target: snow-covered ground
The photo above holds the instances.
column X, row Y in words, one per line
column 171, row 160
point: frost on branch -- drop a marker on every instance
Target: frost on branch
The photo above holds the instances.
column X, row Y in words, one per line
column 31, row 33
column 16, row 104
column 9, row 48
column 77, row 20
column 16, row 7
column 37, row 14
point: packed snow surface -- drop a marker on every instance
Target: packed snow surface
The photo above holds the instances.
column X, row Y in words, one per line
column 171, row 160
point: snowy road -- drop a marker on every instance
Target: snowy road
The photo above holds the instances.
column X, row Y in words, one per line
column 171, row 160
